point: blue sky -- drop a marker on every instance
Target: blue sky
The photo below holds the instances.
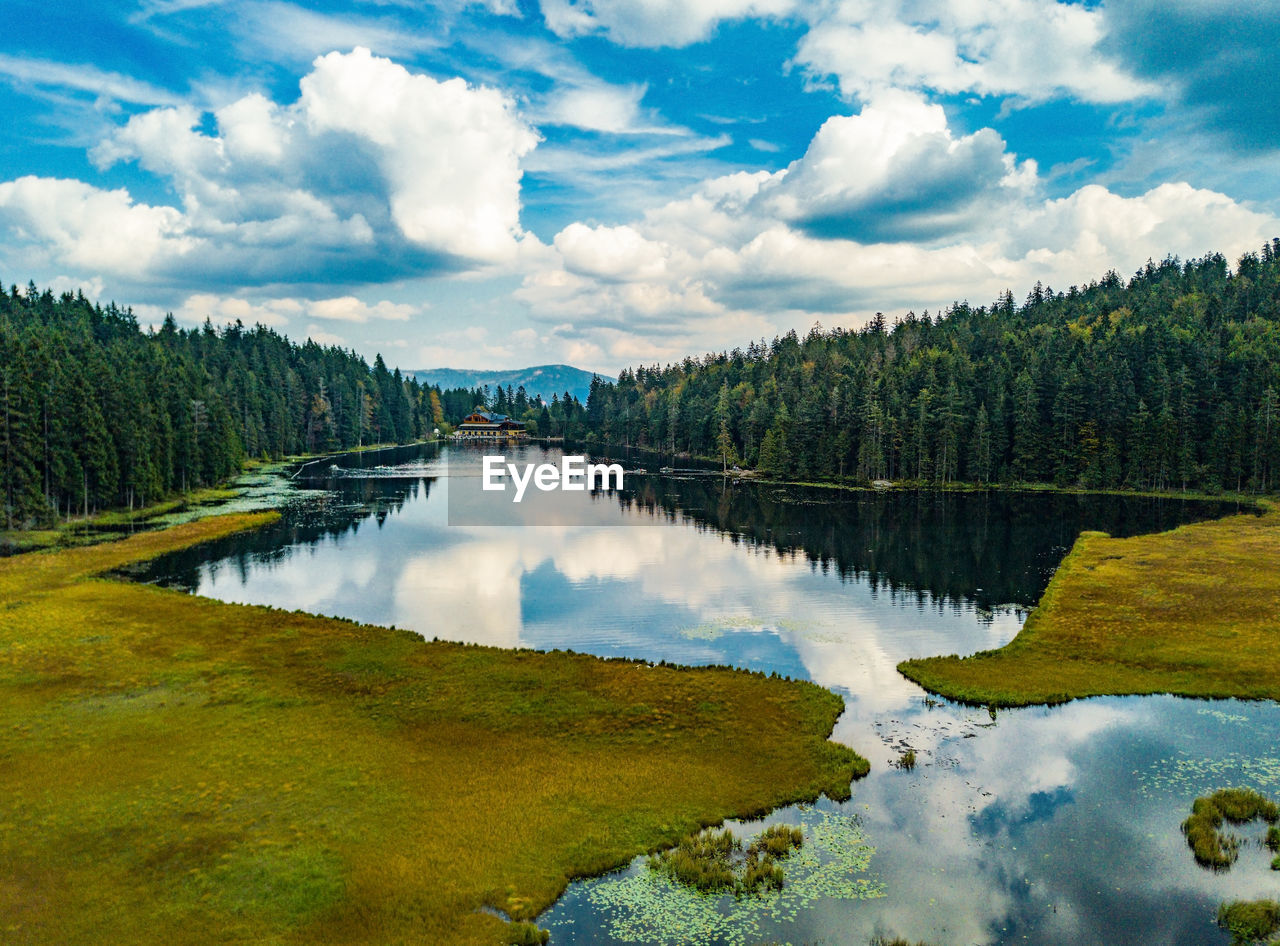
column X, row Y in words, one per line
column 613, row 182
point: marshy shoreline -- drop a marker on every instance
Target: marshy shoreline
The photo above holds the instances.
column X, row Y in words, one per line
column 189, row 769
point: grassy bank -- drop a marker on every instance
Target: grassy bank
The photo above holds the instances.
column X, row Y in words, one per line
column 1194, row 612
column 177, row 769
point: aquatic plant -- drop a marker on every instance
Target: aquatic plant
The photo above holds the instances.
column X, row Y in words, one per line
column 701, row 861
column 714, row 861
column 1272, row 843
column 649, row 908
column 1211, row 847
column 1250, row 921
column 777, row 840
column 907, row 760
column 1178, row 776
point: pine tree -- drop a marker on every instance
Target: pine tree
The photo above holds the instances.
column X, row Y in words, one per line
column 1027, row 449
column 1266, row 463
column 980, row 455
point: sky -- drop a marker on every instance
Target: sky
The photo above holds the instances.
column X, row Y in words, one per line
column 609, row 183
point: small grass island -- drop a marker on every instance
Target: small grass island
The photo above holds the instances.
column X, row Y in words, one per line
column 178, row 769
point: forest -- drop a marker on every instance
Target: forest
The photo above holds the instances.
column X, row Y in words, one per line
column 1166, row 381
column 96, row 412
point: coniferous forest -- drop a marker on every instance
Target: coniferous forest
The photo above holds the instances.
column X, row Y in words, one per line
column 96, row 412
column 1169, row 380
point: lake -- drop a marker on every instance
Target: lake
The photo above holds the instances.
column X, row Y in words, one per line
column 1041, row 825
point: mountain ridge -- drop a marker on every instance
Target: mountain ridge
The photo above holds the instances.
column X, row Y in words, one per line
column 544, row 380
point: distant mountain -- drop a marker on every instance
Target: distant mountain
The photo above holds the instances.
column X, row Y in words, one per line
column 540, row 379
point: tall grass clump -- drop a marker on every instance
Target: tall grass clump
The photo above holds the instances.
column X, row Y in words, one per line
column 907, row 761
column 1250, row 921
column 714, row 862
column 524, row 933
column 776, row 841
column 702, row 861
column 1211, row 847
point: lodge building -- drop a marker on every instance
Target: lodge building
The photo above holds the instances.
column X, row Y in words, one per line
column 485, row 425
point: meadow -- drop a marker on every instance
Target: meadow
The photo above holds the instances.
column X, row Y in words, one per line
column 176, row 769
column 1192, row 612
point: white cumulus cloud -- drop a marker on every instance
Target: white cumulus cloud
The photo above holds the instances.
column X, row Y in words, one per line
column 888, row 209
column 1030, row 49
column 894, row 171
column 450, row 152
column 92, row 229
column 374, row 172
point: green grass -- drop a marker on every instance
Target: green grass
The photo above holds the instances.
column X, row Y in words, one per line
column 779, row 840
column 1250, row 921
column 1253, row 921
column 714, row 861
column 1194, row 612
column 1203, row 829
column 525, row 933
column 177, row 769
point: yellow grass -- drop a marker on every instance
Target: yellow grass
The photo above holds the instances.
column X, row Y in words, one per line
column 1194, row 612
column 174, row 769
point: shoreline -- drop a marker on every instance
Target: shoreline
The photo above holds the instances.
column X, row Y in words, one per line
column 908, row 485
column 267, row 765
column 1189, row 612
column 108, row 524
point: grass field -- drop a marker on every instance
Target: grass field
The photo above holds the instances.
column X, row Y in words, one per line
column 1194, row 612
column 175, row 769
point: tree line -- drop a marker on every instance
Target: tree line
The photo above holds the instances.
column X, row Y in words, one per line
column 96, row 412
column 1168, row 380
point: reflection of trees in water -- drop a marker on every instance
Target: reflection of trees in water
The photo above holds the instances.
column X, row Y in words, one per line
column 347, row 505
column 989, row 548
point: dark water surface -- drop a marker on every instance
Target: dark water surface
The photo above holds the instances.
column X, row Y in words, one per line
column 1051, row 826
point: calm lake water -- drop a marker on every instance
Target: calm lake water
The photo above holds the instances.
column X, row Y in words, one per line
column 1043, row 825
